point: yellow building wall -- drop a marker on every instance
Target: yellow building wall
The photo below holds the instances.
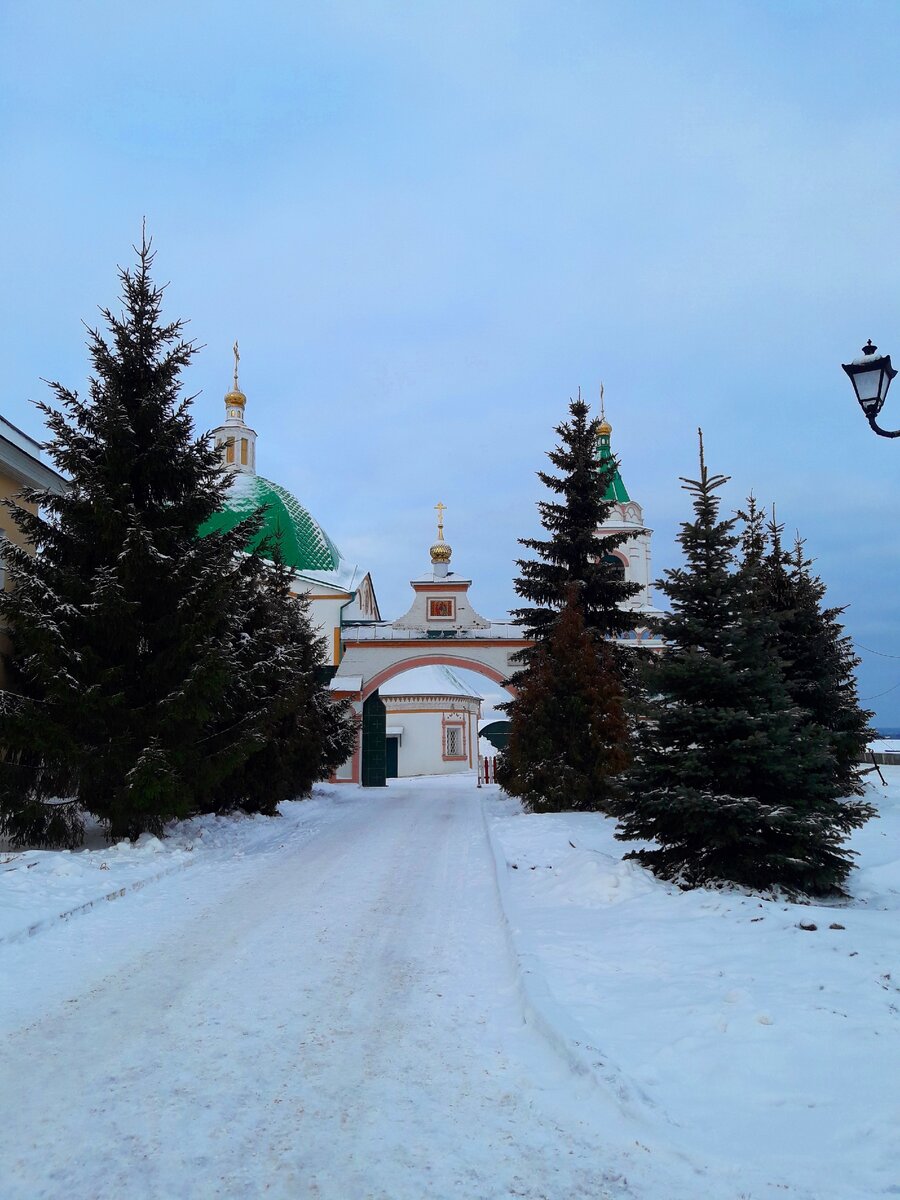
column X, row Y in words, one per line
column 9, row 487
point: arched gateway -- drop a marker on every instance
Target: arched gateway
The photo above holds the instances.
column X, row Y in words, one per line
column 441, row 628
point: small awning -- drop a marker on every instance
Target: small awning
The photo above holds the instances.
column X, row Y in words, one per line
column 394, row 731
column 346, row 683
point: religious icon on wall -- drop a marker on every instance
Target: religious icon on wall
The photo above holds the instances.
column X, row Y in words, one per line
column 442, row 609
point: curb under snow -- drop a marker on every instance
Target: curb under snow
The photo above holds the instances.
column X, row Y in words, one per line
column 545, row 1013
column 22, row 935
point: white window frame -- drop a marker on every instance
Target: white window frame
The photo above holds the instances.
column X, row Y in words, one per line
column 456, row 730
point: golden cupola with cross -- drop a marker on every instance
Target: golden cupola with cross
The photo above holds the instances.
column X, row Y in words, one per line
column 235, row 439
column 441, row 606
column 304, row 544
column 441, row 553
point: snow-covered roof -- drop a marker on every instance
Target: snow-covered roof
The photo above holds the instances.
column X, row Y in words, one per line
column 305, row 545
column 428, row 681
column 386, row 631
column 346, row 683
column 20, row 456
column 432, row 577
column 14, row 434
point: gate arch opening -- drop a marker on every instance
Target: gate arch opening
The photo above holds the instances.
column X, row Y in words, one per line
column 433, row 660
column 430, row 735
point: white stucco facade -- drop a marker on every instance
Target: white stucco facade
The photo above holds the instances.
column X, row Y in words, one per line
column 432, row 719
column 440, row 629
column 628, row 518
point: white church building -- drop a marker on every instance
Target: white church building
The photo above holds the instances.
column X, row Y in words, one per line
column 432, row 722
column 431, row 714
column 337, row 590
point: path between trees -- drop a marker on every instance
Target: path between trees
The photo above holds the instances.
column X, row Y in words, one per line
column 337, row 1019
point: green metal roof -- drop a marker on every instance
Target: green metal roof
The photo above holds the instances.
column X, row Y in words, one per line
column 304, row 543
column 616, row 490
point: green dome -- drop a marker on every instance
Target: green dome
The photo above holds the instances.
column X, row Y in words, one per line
column 616, row 489
column 304, row 543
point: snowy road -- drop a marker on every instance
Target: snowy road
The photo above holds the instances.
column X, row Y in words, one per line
column 336, row 1018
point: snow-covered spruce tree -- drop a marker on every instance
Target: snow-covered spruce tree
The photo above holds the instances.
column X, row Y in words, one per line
column 729, row 780
column 123, row 621
column 277, row 694
column 818, row 664
column 574, row 553
column 569, row 741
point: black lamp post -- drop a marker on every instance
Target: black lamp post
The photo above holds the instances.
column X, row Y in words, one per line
column 871, row 377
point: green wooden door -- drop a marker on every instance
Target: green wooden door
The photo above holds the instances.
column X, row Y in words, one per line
column 374, row 723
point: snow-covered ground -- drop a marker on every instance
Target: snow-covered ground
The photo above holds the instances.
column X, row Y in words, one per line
column 885, row 745
column 364, row 999
column 766, row 1046
column 40, row 888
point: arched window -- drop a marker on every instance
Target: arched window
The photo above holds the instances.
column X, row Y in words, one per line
column 616, row 566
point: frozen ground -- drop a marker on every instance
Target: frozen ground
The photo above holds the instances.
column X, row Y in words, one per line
column 334, row 1004
column 769, row 1047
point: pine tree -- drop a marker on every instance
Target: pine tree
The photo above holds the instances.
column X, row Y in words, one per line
column 754, row 542
column 730, row 781
column 568, row 743
column 575, row 551
column 574, row 568
column 130, row 632
column 277, row 696
column 817, row 660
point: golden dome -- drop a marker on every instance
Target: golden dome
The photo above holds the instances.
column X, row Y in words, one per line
column 235, row 398
column 605, row 428
column 440, row 551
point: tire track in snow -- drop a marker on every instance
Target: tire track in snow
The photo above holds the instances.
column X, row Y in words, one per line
column 343, row 1022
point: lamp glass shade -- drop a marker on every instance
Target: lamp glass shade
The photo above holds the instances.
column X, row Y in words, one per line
column 871, row 377
column 868, row 384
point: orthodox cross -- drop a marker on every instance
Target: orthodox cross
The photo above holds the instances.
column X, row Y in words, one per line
column 602, row 404
column 237, row 359
column 440, row 512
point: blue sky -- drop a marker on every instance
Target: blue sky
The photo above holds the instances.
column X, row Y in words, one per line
column 428, row 224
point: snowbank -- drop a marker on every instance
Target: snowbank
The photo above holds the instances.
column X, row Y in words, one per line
column 769, row 1047
column 39, row 888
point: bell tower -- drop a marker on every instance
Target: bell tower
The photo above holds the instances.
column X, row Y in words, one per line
column 235, row 439
column 626, row 517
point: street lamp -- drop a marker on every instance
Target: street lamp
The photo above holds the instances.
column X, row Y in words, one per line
column 871, row 377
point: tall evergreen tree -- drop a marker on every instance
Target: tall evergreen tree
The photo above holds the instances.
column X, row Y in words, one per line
column 730, row 781
column 277, row 698
column 817, row 658
column 753, row 542
column 573, row 568
column 568, row 743
column 130, row 632
column 575, row 550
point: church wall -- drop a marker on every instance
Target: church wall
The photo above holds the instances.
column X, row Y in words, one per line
column 437, row 734
column 363, row 606
column 635, row 551
column 441, row 604
column 325, row 614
